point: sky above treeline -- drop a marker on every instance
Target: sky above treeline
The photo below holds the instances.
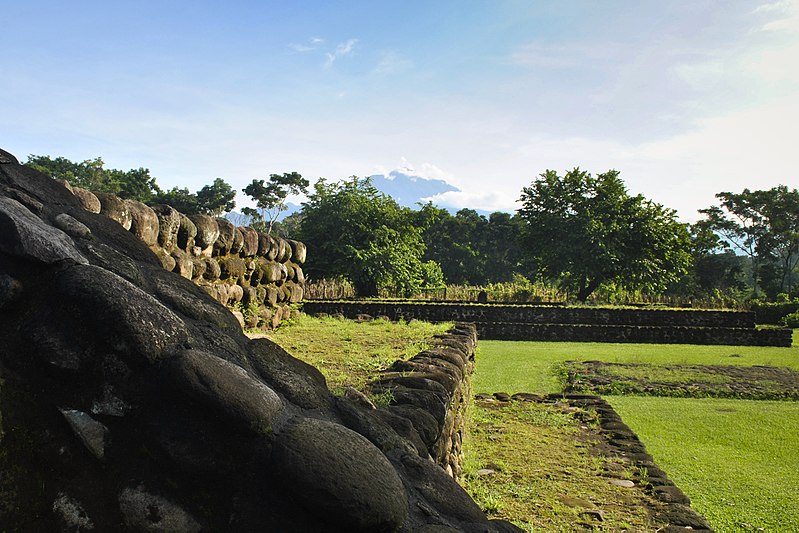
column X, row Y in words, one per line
column 685, row 98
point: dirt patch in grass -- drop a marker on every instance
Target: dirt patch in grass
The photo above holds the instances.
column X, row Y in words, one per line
column 556, row 463
column 688, row 381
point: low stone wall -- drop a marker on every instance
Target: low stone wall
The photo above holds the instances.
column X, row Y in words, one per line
column 432, row 389
column 531, row 314
column 773, row 313
column 510, row 322
column 254, row 274
column 641, row 334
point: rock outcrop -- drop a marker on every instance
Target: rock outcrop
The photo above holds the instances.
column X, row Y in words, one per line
column 130, row 399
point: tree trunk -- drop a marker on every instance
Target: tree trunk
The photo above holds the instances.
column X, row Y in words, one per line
column 586, row 289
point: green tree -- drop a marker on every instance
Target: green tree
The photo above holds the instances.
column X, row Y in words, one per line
column 764, row 226
column 216, row 199
column 181, row 199
column 91, row 174
column 715, row 271
column 585, row 231
column 472, row 249
column 270, row 197
column 363, row 235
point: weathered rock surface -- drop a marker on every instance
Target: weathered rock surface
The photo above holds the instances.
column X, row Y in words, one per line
column 334, row 468
column 130, row 399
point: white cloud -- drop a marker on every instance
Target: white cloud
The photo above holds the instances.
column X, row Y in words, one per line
column 392, row 63
column 425, row 171
column 342, row 50
column 789, row 21
column 312, row 44
column 752, row 148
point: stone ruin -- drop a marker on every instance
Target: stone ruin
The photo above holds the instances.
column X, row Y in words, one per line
column 130, row 399
column 240, row 267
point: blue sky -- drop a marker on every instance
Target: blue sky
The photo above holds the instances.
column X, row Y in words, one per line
column 685, row 98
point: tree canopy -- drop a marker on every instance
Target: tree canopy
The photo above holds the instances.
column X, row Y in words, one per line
column 91, row 174
column 472, row 249
column 763, row 225
column 358, row 233
column 585, row 231
column 136, row 184
column 270, row 197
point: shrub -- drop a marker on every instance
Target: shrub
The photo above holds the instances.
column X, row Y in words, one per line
column 791, row 320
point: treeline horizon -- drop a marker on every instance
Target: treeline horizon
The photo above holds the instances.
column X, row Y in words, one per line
column 577, row 234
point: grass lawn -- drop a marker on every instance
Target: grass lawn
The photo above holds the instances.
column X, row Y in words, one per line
column 519, row 366
column 350, row 353
column 736, row 459
column 531, row 463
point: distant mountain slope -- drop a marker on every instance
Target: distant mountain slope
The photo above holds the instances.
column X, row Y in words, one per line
column 407, row 189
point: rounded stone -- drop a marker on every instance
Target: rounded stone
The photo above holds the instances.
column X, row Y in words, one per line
column 341, row 475
column 88, row 199
column 115, row 208
column 187, row 233
column 207, row 232
column 72, row 227
column 144, row 222
column 228, row 389
column 168, row 225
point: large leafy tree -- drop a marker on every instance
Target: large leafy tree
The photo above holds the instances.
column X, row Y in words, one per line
column 715, row 271
column 358, row 233
column 764, row 226
column 585, row 231
column 472, row 249
column 270, row 197
column 91, row 174
column 217, row 198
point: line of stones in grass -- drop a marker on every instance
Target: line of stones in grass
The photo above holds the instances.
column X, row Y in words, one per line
column 616, row 441
column 722, row 381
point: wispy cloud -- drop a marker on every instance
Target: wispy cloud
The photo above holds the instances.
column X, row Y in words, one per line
column 342, row 50
column 787, row 15
column 392, row 63
column 312, row 44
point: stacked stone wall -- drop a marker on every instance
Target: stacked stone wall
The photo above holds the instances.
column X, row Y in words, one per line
column 531, row 314
column 432, row 390
column 548, row 323
column 773, row 313
column 637, row 334
column 254, row 274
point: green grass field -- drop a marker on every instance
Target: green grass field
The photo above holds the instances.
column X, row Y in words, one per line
column 517, row 366
column 734, row 458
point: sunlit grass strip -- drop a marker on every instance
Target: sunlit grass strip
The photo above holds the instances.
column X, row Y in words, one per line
column 525, row 461
column 736, row 459
column 350, row 354
column 520, row 366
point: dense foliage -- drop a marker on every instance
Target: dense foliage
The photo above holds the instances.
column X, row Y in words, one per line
column 363, row 235
column 764, row 226
column 91, row 174
column 586, row 231
column 136, row 184
column 471, row 248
